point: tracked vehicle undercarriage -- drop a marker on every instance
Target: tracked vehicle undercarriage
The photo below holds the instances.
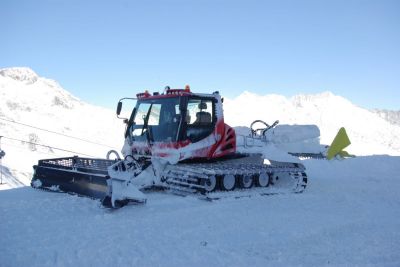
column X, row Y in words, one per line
column 243, row 173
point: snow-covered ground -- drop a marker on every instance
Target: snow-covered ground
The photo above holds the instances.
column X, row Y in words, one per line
column 348, row 216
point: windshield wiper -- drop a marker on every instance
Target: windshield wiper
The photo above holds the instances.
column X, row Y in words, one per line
column 146, row 124
column 130, row 122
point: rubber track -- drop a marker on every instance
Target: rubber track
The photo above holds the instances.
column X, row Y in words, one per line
column 189, row 178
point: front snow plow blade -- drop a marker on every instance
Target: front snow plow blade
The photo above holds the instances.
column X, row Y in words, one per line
column 81, row 176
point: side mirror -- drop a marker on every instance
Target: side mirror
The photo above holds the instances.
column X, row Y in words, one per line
column 119, row 107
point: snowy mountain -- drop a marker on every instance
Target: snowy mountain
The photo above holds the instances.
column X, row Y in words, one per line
column 369, row 133
column 391, row 116
column 29, row 104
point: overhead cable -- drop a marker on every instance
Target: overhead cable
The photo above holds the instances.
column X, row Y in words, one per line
column 61, row 149
column 49, row 131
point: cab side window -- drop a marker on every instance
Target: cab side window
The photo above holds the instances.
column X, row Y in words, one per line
column 199, row 119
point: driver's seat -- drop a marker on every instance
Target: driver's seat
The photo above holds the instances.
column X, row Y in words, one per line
column 202, row 117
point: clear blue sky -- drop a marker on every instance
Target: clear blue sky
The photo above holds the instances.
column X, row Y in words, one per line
column 103, row 50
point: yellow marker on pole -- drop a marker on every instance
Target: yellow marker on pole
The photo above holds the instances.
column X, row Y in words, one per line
column 340, row 142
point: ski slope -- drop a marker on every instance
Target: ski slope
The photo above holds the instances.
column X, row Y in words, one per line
column 38, row 110
column 348, row 216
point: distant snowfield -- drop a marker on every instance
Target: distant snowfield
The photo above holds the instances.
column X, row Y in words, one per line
column 369, row 133
column 349, row 215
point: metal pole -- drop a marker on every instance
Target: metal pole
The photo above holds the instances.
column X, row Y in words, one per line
column 1, row 164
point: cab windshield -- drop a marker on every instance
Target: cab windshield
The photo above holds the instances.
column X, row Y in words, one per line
column 156, row 119
column 159, row 120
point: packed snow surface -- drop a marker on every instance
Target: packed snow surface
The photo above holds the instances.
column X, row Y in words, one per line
column 349, row 215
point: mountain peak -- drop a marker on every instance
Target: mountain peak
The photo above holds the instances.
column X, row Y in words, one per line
column 23, row 89
column 313, row 97
column 23, row 74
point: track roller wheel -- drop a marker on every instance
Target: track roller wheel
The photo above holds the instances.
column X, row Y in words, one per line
column 282, row 180
column 210, row 184
column 228, row 182
column 246, row 181
column 262, row 180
